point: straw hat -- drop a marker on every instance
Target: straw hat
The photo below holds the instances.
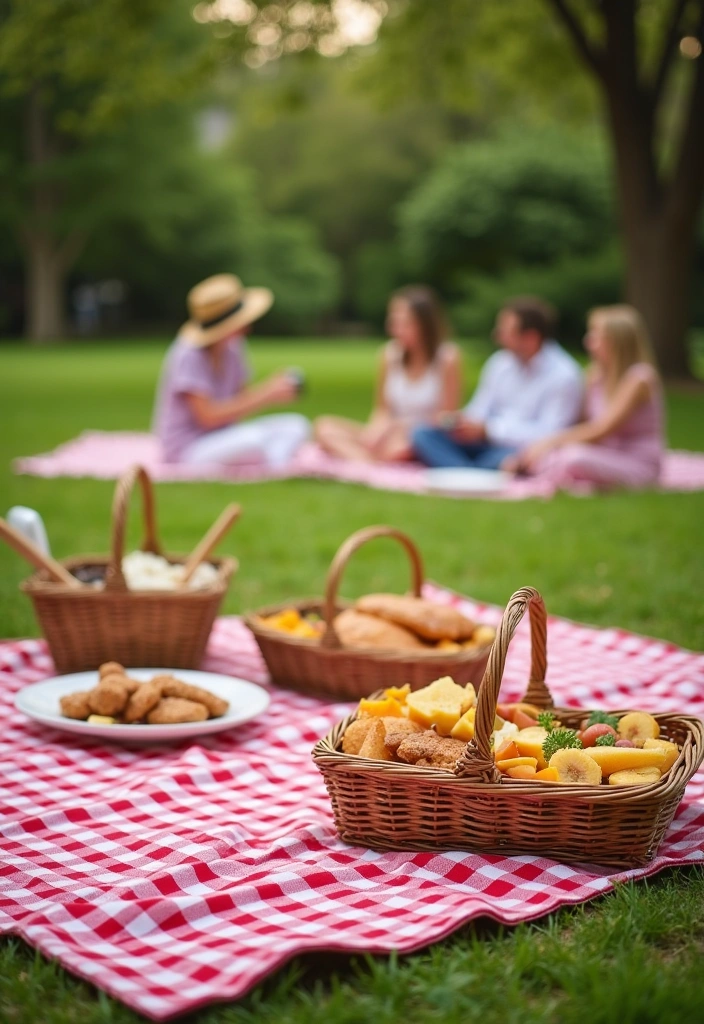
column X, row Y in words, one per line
column 219, row 306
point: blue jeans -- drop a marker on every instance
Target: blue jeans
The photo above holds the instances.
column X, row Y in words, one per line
column 436, row 447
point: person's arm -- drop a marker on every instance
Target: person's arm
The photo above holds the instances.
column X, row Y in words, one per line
column 631, row 392
column 451, row 380
column 210, row 413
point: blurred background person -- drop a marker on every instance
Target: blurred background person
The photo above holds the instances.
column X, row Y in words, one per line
column 528, row 390
column 621, row 441
column 204, row 397
column 419, row 377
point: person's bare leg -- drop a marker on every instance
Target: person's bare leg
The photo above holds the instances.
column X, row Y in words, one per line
column 342, row 438
column 395, row 446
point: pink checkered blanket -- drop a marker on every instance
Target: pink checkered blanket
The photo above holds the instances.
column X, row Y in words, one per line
column 105, row 456
column 173, row 876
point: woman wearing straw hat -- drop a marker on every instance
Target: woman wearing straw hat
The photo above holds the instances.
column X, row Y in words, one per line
column 204, row 393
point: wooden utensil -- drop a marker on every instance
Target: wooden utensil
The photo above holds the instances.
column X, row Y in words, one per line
column 23, row 546
column 214, row 535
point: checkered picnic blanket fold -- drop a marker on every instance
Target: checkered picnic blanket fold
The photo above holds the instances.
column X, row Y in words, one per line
column 105, row 455
column 173, row 876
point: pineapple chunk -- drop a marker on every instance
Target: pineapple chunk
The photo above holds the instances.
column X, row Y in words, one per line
column 440, row 704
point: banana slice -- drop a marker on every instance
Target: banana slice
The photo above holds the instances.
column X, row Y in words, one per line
column 638, row 726
column 635, row 777
column 576, row 767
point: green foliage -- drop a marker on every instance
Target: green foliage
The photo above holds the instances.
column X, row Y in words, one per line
column 558, row 740
column 607, row 740
column 547, row 720
column 512, row 216
column 347, row 164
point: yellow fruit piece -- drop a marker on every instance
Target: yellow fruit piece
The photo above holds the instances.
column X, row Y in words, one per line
column 441, row 704
column 671, row 751
column 548, row 775
column 464, row 728
column 398, row 693
column 618, row 759
column 482, row 636
column 380, row 708
column 470, row 698
column 635, row 777
column 451, row 646
column 516, row 762
column 638, row 726
column 101, row 720
column 305, row 630
column 521, row 771
column 530, row 741
column 575, row 767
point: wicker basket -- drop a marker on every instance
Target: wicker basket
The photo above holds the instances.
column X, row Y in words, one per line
column 85, row 626
column 386, row 805
column 328, row 669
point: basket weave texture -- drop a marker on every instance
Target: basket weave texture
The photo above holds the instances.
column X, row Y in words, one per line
column 85, row 627
column 385, row 805
column 328, row 669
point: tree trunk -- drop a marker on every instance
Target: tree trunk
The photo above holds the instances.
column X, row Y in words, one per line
column 45, row 266
column 658, row 283
column 45, row 277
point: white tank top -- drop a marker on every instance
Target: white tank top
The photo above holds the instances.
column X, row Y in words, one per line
column 413, row 399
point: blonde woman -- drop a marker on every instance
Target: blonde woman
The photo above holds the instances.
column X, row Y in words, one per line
column 620, row 442
column 419, row 378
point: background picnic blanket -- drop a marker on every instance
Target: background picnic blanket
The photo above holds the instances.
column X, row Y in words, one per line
column 177, row 875
column 106, row 456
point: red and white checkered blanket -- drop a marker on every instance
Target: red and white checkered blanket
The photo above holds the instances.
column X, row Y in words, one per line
column 178, row 875
column 105, row 455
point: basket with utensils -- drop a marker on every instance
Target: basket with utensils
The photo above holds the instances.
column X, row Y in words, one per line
column 89, row 614
column 330, row 665
column 470, row 804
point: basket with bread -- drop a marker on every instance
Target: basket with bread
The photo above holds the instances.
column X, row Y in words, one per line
column 333, row 648
column 445, row 768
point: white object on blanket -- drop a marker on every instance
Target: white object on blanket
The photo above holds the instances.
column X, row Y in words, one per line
column 30, row 523
column 461, row 480
column 246, row 700
column 145, row 571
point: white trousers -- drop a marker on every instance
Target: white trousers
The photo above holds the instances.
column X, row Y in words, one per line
column 271, row 439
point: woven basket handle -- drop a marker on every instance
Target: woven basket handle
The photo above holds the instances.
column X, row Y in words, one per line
column 343, row 555
column 114, row 580
column 478, row 760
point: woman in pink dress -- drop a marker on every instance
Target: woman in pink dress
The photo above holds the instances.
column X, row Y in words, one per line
column 419, row 377
column 620, row 443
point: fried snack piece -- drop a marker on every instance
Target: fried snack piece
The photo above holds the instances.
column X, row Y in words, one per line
column 397, row 729
column 75, row 705
column 355, row 735
column 356, row 629
column 109, row 668
column 426, row 619
column 109, row 697
column 374, row 745
column 173, row 687
column 171, row 710
column 116, row 677
column 141, row 702
column 428, row 750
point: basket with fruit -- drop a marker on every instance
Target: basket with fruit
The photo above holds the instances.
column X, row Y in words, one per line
column 329, row 647
column 441, row 768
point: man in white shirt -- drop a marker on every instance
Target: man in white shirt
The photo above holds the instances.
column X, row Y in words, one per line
column 528, row 390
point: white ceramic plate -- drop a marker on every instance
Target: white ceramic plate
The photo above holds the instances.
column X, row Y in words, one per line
column 466, row 481
column 40, row 701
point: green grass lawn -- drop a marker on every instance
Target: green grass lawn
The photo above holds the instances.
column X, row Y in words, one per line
column 633, row 560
